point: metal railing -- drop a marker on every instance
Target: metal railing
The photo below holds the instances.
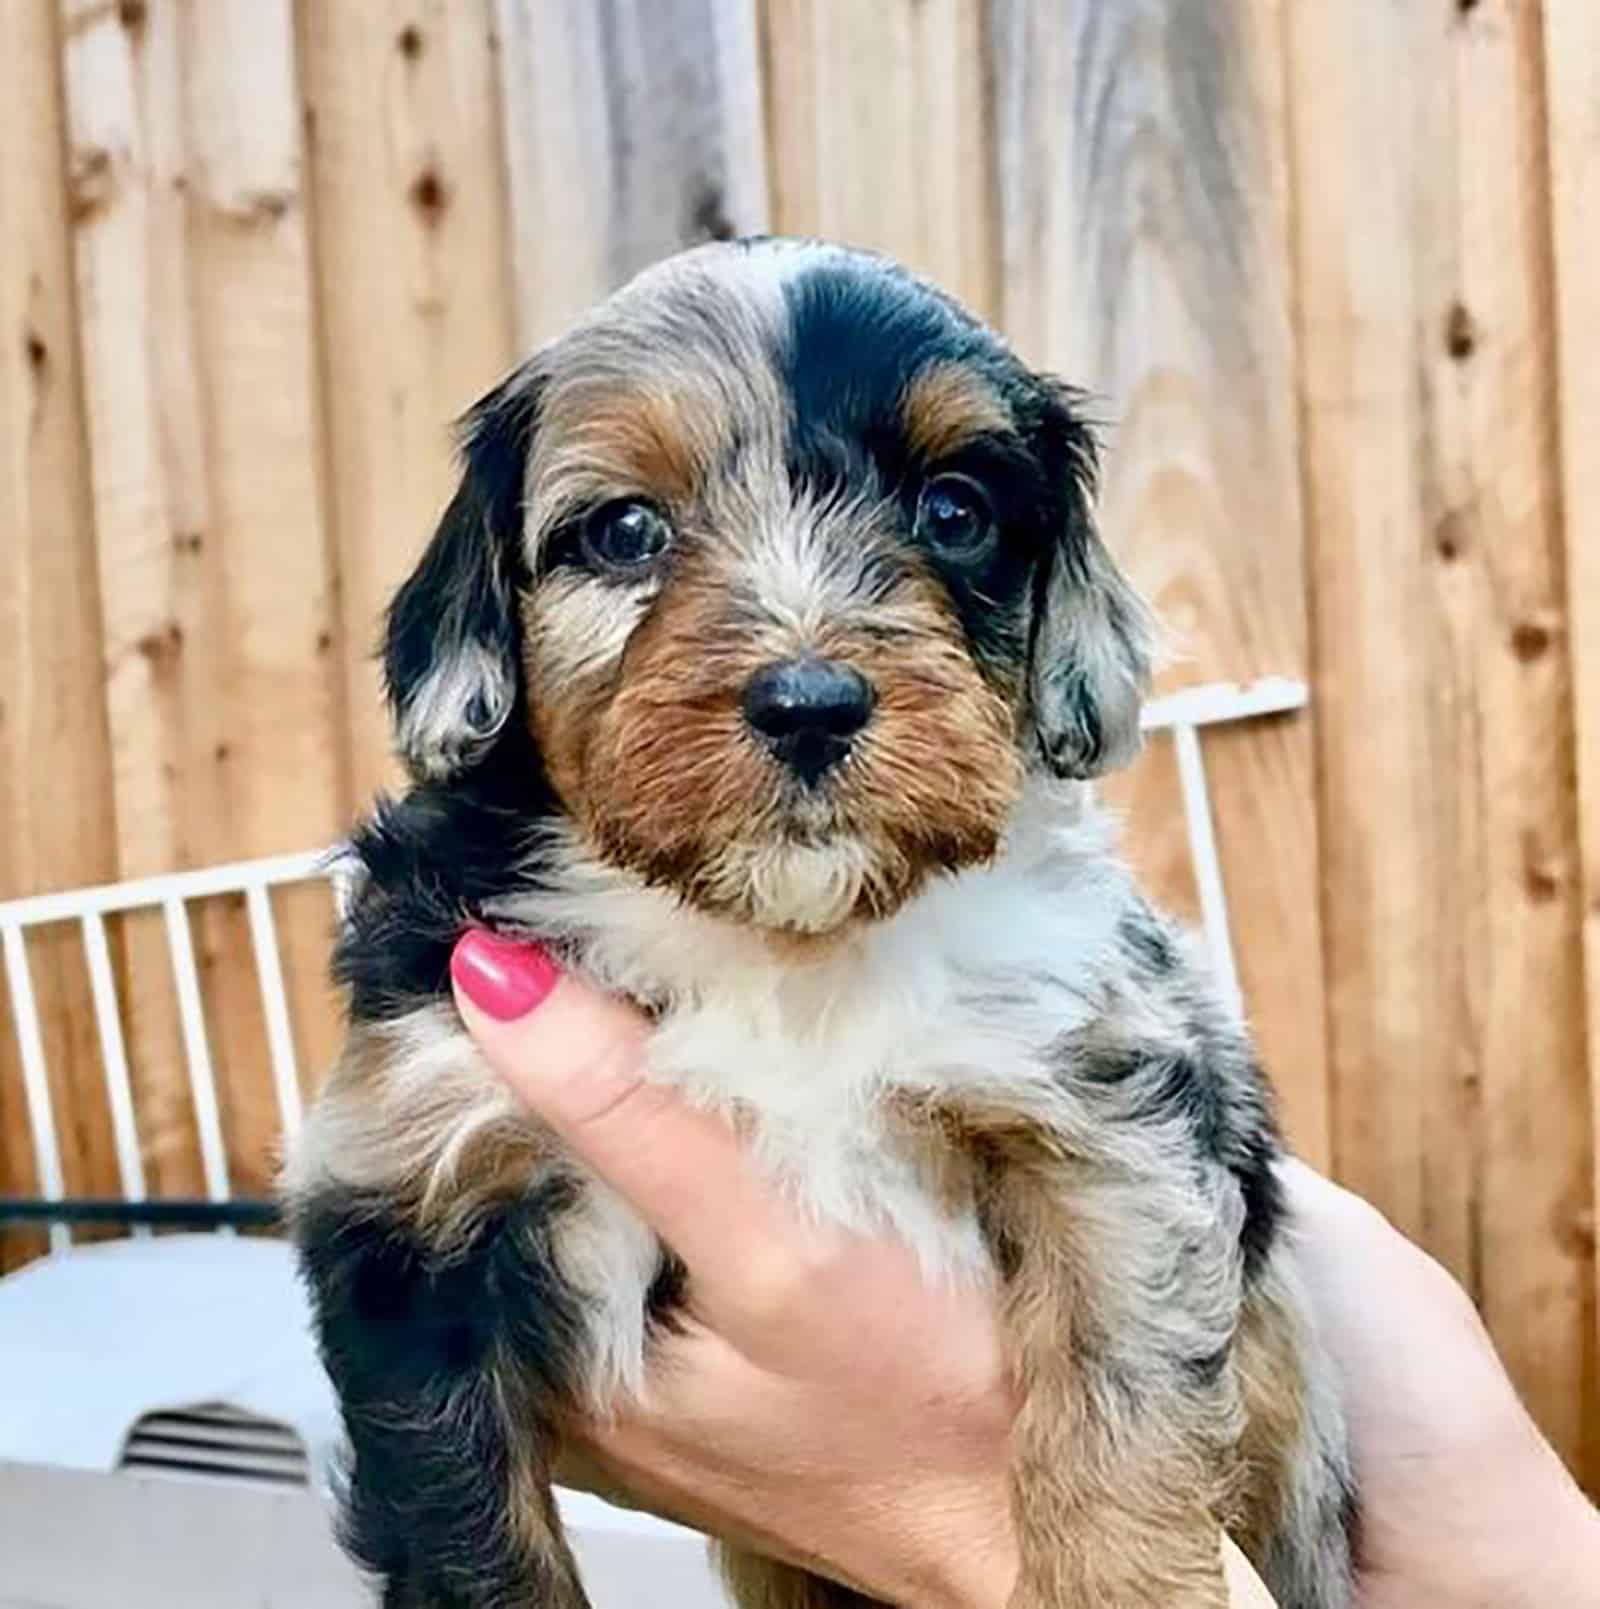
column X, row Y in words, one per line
column 172, row 895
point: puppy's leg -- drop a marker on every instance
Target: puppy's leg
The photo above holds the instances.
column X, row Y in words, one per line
column 1118, row 1317
column 446, row 1367
column 754, row 1582
column 1297, row 1509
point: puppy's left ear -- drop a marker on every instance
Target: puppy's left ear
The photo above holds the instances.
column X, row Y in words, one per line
column 451, row 653
column 1093, row 635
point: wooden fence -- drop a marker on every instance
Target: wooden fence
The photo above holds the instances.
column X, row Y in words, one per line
column 1333, row 269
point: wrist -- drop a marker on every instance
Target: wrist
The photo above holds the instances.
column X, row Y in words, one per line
column 1524, row 1537
column 1541, row 1537
column 1549, row 1553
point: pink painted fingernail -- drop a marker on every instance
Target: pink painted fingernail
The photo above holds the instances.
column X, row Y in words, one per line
column 500, row 976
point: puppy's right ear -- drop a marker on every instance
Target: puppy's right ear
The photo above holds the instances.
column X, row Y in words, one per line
column 451, row 658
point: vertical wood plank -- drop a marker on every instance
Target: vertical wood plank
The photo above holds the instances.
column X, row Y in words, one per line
column 282, row 760
column 407, row 172
column 279, row 765
column 194, row 284
column 1572, row 66
column 1143, row 225
column 56, row 821
column 1450, row 886
column 126, row 188
column 632, row 130
column 879, row 128
column 1539, row 1286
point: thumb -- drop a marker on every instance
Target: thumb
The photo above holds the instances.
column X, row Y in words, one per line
column 576, row 1059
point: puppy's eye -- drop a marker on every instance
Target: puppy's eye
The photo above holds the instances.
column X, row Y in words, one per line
column 954, row 517
column 625, row 538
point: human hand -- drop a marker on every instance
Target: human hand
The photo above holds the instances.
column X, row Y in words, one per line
column 802, row 1411
column 820, row 1402
column 1463, row 1501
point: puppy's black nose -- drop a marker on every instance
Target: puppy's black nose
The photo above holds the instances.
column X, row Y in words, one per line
column 808, row 710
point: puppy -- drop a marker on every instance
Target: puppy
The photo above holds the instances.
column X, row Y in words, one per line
column 757, row 668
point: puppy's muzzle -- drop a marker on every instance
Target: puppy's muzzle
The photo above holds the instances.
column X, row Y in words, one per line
column 808, row 711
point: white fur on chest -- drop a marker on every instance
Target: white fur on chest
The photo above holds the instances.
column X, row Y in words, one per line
column 963, row 991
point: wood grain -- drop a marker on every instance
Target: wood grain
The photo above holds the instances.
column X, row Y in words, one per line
column 215, row 575
column 631, row 131
column 56, row 823
column 1143, row 228
column 281, row 764
column 149, row 500
column 879, row 133
column 1450, row 888
column 407, row 171
column 1572, row 67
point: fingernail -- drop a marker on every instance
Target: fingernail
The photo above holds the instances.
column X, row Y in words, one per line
column 500, row 976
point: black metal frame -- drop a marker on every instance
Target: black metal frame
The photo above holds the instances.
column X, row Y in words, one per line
column 169, row 1213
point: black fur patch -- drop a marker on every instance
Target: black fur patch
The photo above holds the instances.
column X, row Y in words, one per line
column 462, row 594
column 993, row 596
column 429, row 862
column 1146, row 938
column 668, row 1292
column 1351, row 1518
column 1222, row 1106
column 429, row 1356
column 1253, row 1165
column 858, row 335
column 858, row 332
column 1206, row 1369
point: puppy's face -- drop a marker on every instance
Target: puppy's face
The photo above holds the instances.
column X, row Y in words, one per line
column 786, row 567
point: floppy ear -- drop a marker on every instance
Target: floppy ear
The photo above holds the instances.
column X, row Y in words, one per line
column 1093, row 635
column 450, row 657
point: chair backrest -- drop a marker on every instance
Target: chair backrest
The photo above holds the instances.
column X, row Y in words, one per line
column 171, row 894
column 1184, row 715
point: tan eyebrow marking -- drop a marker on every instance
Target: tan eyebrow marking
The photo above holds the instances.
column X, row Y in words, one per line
column 946, row 406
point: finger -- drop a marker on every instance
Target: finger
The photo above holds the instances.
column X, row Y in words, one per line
column 577, row 1059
